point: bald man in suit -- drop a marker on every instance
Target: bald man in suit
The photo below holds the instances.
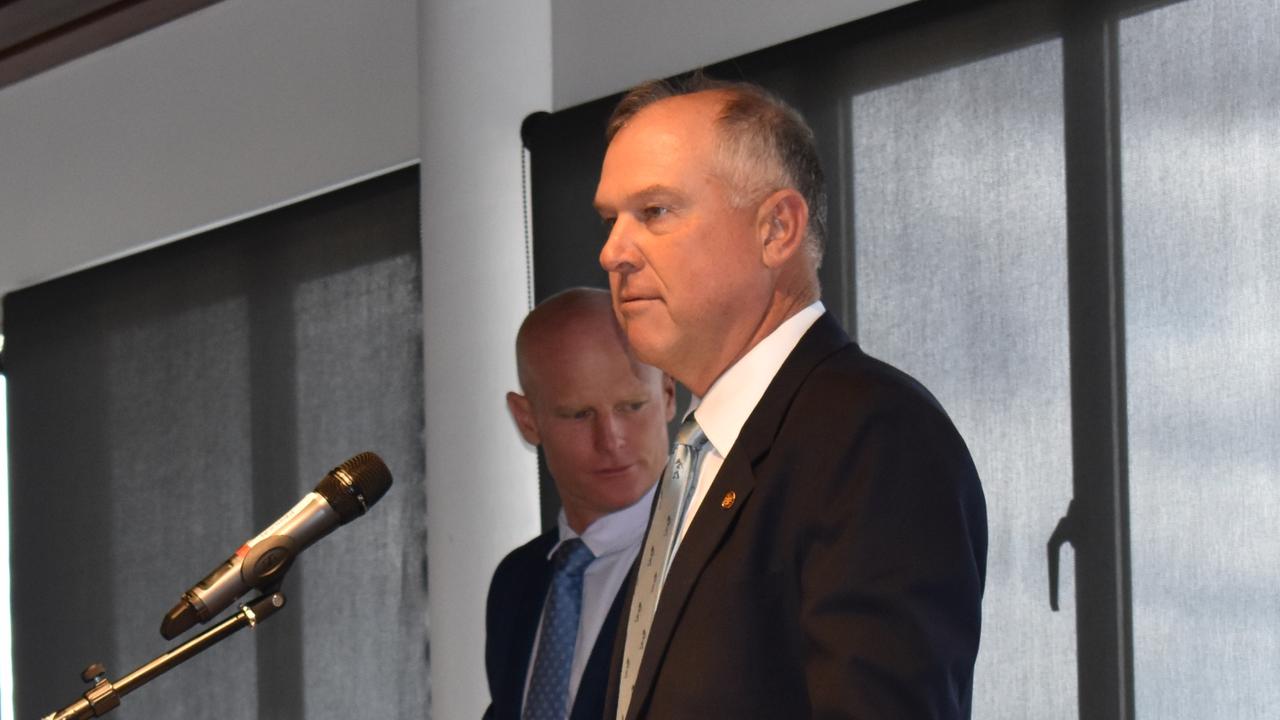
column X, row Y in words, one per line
column 600, row 417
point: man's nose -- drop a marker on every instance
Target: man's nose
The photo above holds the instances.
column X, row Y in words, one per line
column 609, row 436
column 619, row 254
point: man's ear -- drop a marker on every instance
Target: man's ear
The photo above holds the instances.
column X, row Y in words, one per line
column 782, row 222
column 522, row 413
column 669, row 396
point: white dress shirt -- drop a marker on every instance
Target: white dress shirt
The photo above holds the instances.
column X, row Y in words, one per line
column 733, row 396
column 615, row 541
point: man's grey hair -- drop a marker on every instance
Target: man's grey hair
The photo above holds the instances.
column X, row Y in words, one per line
column 764, row 144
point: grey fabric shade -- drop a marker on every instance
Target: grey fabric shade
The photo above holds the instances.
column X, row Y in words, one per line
column 166, row 407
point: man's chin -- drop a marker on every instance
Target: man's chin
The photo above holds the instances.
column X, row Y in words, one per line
column 646, row 342
column 624, row 497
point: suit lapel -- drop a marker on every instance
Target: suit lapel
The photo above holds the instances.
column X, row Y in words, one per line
column 524, row 622
column 713, row 521
column 696, row 549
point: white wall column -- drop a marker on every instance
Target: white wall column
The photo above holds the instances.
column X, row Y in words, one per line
column 484, row 66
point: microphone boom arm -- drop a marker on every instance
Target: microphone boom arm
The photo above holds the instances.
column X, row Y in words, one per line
column 105, row 695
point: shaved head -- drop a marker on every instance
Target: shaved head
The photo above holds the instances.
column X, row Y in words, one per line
column 557, row 321
column 599, row 414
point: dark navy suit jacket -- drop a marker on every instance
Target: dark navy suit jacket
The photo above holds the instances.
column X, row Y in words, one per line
column 836, row 568
column 516, row 596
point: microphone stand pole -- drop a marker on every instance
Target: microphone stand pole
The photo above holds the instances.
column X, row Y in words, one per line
column 105, row 695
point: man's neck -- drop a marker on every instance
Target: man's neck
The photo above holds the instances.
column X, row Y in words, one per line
column 783, row 307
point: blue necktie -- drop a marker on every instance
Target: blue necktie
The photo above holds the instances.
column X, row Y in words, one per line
column 548, row 697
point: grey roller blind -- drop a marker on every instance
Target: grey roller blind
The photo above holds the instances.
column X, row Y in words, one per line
column 1201, row 167
column 961, row 277
column 165, row 407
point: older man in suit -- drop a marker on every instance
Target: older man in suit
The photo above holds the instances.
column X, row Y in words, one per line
column 821, row 551
column 600, row 417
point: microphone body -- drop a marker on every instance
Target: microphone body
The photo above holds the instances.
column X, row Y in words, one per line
column 344, row 494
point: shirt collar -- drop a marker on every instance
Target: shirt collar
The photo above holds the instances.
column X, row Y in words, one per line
column 729, row 401
column 612, row 533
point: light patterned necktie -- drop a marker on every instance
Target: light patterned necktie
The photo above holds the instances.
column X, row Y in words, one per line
column 674, row 497
column 549, row 685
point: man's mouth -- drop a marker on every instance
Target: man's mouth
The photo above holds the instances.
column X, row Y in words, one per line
column 614, row 471
column 635, row 299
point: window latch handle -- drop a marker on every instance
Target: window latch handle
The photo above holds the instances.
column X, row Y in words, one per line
column 1063, row 533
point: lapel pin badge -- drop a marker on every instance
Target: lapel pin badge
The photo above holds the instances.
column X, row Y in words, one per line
column 729, row 498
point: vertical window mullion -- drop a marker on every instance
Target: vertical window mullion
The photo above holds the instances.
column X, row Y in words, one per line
column 1100, row 517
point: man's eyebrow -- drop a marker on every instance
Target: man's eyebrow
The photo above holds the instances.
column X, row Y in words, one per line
column 642, row 195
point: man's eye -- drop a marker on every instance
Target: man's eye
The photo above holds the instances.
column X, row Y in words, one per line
column 653, row 212
column 636, row 406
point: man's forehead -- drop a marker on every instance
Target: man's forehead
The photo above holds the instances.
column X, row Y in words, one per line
column 560, row 387
column 598, row 345
column 662, row 143
column 576, row 396
column 557, row 347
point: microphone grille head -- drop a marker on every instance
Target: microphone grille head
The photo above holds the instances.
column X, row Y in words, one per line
column 355, row 485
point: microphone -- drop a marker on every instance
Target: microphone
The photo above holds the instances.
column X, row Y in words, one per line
column 344, row 494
